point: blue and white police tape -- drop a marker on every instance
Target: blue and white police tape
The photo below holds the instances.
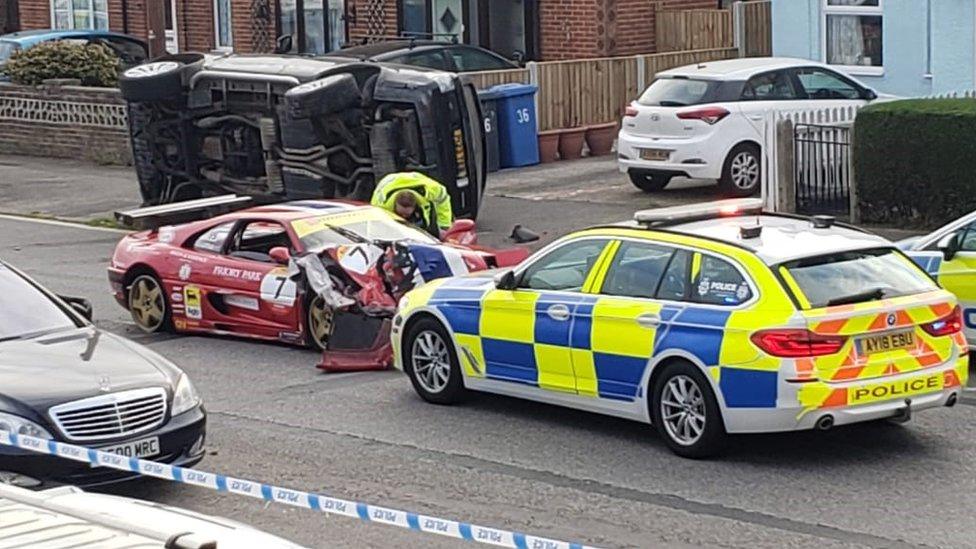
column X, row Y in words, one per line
column 287, row 496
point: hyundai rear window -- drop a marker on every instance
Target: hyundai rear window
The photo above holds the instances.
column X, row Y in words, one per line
column 854, row 277
column 678, row 92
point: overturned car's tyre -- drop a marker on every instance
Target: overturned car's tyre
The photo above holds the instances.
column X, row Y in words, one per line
column 323, row 96
column 160, row 80
column 151, row 181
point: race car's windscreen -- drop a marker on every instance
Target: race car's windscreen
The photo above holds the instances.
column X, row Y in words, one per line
column 855, row 277
column 321, row 232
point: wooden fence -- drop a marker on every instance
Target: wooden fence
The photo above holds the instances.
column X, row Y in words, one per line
column 682, row 30
column 591, row 91
column 754, row 35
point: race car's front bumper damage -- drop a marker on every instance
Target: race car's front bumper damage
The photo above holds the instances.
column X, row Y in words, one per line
column 361, row 284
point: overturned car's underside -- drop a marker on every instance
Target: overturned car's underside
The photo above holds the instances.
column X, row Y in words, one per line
column 282, row 127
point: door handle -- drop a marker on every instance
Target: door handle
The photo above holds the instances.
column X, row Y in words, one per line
column 558, row 312
column 649, row 320
column 755, row 117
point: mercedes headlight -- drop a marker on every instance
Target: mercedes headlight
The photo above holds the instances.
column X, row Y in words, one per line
column 22, row 426
column 186, row 397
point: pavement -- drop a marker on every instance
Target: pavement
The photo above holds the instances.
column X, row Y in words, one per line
column 498, row 461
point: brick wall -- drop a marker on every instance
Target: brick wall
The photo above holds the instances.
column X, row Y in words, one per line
column 64, row 122
column 370, row 18
column 35, row 14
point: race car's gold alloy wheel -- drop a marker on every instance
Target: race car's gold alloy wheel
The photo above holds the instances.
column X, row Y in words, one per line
column 147, row 303
column 319, row 322
column 683, row 410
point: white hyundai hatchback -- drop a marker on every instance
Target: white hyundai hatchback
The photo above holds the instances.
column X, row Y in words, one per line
column 705, row 121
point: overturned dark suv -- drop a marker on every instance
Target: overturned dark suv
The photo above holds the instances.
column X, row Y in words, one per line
column 281, row 127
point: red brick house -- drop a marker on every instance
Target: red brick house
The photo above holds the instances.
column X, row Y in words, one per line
column 538, row 29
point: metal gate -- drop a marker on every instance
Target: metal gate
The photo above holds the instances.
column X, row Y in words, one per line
column 822, row 160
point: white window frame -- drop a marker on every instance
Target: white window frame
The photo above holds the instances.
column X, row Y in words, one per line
column 826, row 10
column 71, row 15
column 173, row 34
column 230, row 27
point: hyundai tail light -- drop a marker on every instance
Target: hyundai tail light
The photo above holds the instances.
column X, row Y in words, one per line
column 797, row 343
column 946, row 325
column 708, row 115
column 631, row 111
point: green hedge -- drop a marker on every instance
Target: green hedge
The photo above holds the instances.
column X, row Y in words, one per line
column 915, row 161
column 94, row 65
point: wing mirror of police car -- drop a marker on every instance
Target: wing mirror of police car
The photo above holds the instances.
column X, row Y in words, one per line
column 949, row 245
column 280, row 254
column 505, row 280
column 80, row 305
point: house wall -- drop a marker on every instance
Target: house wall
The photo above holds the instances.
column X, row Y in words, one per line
column 797, row 32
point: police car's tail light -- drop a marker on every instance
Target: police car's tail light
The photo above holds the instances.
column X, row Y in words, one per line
column 708, row 115
column 797, row 343
column 946, row 325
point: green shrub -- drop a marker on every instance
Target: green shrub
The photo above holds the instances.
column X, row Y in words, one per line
column 94, row 64
column 915, row 161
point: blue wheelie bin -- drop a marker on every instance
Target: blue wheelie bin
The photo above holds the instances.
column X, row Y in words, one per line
column 489, row 110
column 518, row 143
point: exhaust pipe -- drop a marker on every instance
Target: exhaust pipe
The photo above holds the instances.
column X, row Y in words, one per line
column 825, row 422
column 951, row 401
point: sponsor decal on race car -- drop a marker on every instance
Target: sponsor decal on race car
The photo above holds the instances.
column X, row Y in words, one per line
column 242, row 301
column 167, row 234
column 192, row 298
column 176, row 296
column 185, row 271
column 240, row 274
column 188, row 256
column 179, row 323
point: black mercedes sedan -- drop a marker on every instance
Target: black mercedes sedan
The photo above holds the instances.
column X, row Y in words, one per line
column 64, row 379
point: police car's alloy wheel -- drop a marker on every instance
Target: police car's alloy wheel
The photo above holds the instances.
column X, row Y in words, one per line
column 432, row 364
column 147, row 303
column 686, row 413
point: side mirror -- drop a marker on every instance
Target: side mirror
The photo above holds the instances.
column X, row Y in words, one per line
column 81, row 305
column 519, row 57
column 462, row 232
column 284, row 43
column 505, row 280
column 280, row 254
column 949, row 245
column 870, row 94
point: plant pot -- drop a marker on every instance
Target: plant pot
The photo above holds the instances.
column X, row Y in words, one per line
column 548, row 146
column 599, row 138
column 571, row 143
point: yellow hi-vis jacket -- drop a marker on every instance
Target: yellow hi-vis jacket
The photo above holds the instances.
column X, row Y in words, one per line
column 433, row 200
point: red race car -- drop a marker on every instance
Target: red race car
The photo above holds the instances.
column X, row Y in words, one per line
column 326, row 274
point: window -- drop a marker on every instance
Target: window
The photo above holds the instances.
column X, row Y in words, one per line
column 223, row 33
column 852, row 34
column 772, row 86
column 472, row 59
column 79, row 14
column 856, row 276
column 678, row 92
column 431, row 59
column 213, row 240
column 636, row 270
column 718, row 282
column 414, row 17
column 129, row 51
column 564, row 268
column 967, row 239
column 674, row 284
column 26, row 310
column 821, row 84
column 255, row 240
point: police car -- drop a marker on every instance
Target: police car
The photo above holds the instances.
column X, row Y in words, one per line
column 702, row 320
column 949, row 255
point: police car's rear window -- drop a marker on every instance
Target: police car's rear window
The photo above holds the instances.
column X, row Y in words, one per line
column 854, row 277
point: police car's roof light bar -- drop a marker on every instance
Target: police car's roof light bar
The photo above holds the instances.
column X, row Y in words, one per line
column 152, row 217
column 735, row 207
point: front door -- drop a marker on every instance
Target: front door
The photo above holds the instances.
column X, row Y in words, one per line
column 172, row 36
column 156, row 19
column 525, row 333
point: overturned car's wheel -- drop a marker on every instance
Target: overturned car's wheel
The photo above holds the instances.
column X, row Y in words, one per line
column 318, row 324
column 431, row 363
column 147, row 304
column 158, row 80
column 327, row 95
